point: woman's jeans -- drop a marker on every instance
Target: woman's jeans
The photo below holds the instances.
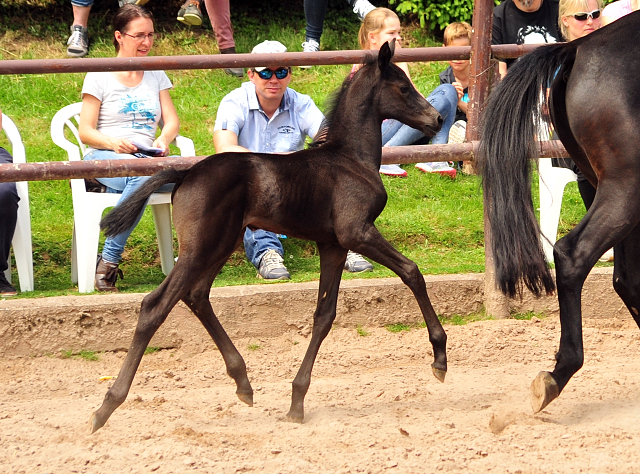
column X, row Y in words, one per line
column 258, row 242
column 114, row 246
column 444, row 99
column 8, row 213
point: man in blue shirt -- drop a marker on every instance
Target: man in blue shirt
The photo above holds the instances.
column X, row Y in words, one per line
column 266, row 116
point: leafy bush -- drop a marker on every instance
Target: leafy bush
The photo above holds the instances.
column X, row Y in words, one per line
column 437, row 14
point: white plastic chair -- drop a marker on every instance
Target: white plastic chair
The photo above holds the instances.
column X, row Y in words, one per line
column 89, row 206
column 552, row 181
column 21, row 242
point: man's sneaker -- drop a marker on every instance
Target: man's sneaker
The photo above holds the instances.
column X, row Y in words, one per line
column 440, row 167
column 5, row 287
column 355, row 263
column 78, row 42
column 272, row 268
column 190, row 13
column 122, row 3
column 392, row 170
column 310, row 46
column 362, row 7
column 232, row 71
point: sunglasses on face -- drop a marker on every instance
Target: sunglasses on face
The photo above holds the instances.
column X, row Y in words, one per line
column 582, row 16
column 267, row 74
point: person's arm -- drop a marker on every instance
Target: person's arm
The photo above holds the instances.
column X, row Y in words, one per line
column 226, row 140
column 502, row 69
column 89, row 133
column 171, row 122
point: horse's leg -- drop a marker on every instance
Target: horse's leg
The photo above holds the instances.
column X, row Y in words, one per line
column 153, row 312
column 611, row 217
column 198, row 301
column 376, row 247
column 332, row 258
column 626, row 272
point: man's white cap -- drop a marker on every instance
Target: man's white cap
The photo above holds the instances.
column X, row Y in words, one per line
column 268, row 47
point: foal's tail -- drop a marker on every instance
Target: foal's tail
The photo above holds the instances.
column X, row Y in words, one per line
column 506, row 150
column 124, row 215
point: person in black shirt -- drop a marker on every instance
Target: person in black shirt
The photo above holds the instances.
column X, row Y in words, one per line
column 524, row 22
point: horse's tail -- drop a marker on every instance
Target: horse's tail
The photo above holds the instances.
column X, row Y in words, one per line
column 506, row 149
column 124, row 215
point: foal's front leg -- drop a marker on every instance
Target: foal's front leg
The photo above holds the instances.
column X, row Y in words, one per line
column 332, row 258
column 373, row 245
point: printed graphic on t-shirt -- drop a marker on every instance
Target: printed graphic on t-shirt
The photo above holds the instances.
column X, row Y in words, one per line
column 286, row 129
column 140, row 110
column 533, row 34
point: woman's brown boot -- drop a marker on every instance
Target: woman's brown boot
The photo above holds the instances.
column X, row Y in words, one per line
column 106, row 275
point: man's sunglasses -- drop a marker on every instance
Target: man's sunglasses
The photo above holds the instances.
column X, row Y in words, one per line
column 267, row 74
column 582, row 16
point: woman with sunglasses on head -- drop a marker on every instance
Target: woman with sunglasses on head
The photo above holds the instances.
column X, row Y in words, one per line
column 119, row 119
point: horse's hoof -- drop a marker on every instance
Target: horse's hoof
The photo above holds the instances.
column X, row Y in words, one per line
column 295, row 417
column 544, row 390
column 246, row 398
column 439, row 373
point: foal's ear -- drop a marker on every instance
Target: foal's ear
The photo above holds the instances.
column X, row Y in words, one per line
column 385, row 54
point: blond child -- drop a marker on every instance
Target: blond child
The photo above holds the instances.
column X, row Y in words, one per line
column 379, row 26
column 459, row 70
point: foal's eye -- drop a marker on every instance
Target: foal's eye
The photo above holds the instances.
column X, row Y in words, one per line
column 404, row 89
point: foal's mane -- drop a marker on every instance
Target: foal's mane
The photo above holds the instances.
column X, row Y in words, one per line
column 335, row 99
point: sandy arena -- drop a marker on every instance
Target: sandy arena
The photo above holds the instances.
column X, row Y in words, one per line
column 373, row 406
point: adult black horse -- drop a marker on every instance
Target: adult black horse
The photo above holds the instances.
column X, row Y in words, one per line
column 594, row 101
column 331, row 194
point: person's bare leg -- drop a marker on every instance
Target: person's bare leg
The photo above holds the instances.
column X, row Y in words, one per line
column 78, row 42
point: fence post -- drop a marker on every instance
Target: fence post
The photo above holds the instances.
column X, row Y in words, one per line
column 495, row 303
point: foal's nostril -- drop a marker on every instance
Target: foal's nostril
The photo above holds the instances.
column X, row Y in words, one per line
column 440, row 120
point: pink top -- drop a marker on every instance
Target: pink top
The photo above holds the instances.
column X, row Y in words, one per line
column 617, row 9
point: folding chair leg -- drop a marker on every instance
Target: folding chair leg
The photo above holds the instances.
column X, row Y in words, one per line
column 162, row 221
column 87, row 236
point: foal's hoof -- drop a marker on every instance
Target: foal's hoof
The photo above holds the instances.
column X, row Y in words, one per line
column 94, row 423
column 544, row 390
column 439, row 373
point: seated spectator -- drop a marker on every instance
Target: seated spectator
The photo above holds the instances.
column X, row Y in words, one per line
column 458, row 74
column 190, row 13
column 120, row 108
column 382, row 25
column 8, row 218
column 618, row 9
column 265, row 115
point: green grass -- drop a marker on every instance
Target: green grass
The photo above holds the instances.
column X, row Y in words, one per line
column 435, row 221
column 461, row 320
column 527, row 316
column 83, row 354
column 151, row 350
column 254, row 347
column 362, row 332
column 399, row 327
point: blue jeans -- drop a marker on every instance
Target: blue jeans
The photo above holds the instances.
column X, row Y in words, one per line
column 444, row 99
column 82, row 3
column 114, row 246
column 258, row 242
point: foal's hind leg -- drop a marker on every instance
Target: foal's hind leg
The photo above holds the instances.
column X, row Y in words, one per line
column 609, row 220
column 332, row 258
column 198, row 301
column 153, row 312
column 376, row 247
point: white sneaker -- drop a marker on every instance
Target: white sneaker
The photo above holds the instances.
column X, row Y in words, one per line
column 356, row 263
column 607, row 256
column 362, row 7
column 440, row 167
column 458, row 131
column 78, row 42
column 392, row 170
column 310, row 46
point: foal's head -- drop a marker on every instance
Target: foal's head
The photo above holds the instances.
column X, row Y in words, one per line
column 397, row 98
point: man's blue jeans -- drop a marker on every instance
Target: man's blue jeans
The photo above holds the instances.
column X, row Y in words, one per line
column 114, row 246
column 258, row 242
column 444, row 99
